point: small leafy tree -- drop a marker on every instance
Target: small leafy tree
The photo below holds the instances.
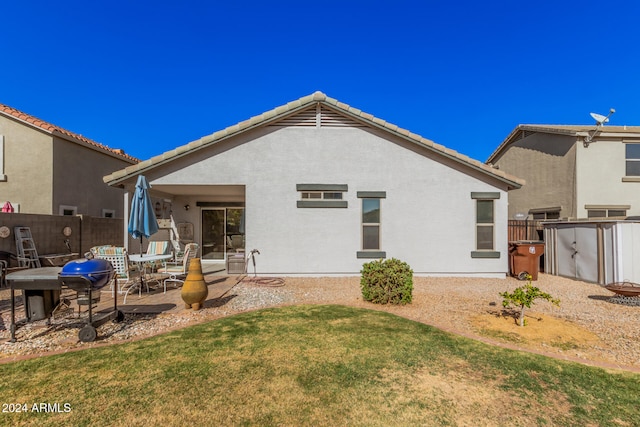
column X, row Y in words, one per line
column 388, row 281
column 524, row 296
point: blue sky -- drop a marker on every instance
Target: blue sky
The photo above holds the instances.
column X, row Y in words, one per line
column 148, row 76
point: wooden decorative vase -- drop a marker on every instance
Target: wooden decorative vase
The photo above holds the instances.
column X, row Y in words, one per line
column 194, row 289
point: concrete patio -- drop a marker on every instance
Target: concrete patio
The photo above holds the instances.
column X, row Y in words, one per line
column 156, row 301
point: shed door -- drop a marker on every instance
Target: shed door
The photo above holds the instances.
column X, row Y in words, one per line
column 587, row 256
column 578, row 252
column 566, row 251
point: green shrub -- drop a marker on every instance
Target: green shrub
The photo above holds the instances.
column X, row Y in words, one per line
column 387, row 282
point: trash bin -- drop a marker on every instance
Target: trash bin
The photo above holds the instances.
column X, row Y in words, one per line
column 524, row 258
column 39, row 304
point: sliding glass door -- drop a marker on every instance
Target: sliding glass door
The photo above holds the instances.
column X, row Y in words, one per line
column 222, row 232
column 213, row 234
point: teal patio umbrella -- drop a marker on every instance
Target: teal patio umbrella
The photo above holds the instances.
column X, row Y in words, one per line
column 142, row 221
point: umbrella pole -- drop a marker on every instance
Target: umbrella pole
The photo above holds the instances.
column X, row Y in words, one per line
column 142, row 272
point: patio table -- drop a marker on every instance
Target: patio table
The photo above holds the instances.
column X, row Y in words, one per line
column 143, row 260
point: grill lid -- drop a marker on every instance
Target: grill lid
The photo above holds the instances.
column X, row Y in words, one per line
column 98, row 271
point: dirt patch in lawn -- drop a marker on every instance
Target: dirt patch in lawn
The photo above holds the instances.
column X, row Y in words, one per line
column 540, row 330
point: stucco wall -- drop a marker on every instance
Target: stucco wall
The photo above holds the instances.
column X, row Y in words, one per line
column 27, row 166
column 547, row 163
column 601, row 168
column 428, row 215
column 44, row 172
column 78, row 179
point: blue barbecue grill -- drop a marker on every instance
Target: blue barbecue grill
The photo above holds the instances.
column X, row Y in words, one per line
column 87, row 276
column 98, row 272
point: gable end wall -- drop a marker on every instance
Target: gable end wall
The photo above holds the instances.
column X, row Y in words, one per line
column 428, row 214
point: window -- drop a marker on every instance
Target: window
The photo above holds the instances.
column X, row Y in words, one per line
column 16, row 206
column 370, row 223
column 318, row 195
column 485, row 225
column 311, row 195
column 606, row 213
column 616, row 213
column 632, row 157
column 321, row 195
column 3, row 177
column 541, row 216
column 68, row 210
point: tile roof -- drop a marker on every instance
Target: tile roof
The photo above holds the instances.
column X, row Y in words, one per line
column 571, row 130
column 56, row 130
column 297, row 105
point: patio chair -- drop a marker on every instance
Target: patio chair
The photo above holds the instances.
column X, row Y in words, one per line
column 177, row 271
column 95, row 249
column 126, row 277
column 157, row 248
column 237, row 241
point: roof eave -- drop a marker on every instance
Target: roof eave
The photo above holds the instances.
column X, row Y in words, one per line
column 549, row 129
column 118, row 177
column 532, row 128
column 53, row 130
column 109, row 152
column 291, row 108
column 512, row 182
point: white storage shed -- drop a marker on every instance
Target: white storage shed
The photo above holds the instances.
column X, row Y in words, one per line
column 601, row 252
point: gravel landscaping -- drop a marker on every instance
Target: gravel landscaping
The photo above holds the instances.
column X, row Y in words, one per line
column 451, row 304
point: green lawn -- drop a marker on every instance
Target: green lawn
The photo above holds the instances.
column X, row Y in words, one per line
column 314, row 365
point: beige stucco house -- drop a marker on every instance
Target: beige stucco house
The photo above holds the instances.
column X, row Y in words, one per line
column 45, row 169
column 572, row 172
column 320, row 187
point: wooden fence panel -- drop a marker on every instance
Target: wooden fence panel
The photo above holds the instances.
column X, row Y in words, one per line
column 525, row 230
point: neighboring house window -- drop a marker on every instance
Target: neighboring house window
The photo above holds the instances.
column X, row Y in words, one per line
column 68, row 210
column 632, row 158
column 3, row 177
column 108, row 213
column 485, row 225
column 16, row 206
column 606, row 213
column 541, row 216
column 371, row 221
column 321, row 195
column 544, row 214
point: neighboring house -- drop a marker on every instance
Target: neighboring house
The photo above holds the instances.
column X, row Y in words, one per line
column 319, row 188
column 45, row 169
column 572, row 172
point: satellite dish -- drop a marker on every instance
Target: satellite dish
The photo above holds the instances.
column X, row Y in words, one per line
column 600, row 121
column 599, row 118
